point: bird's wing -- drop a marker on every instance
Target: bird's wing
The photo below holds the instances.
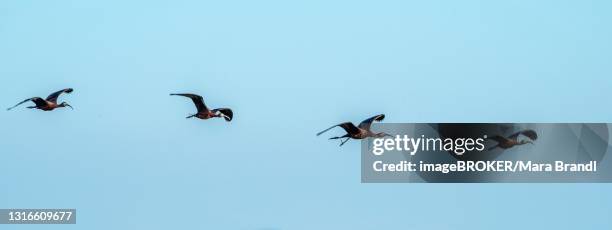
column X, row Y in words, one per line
column 498, row 139
column 53, row 97
column 347, row 126
column 366, row 124
column 37, row 100
column 197, row 100
column 528, row 133
column 227, row 113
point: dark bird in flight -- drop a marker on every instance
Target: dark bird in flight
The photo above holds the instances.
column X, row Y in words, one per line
column 512, row 140
column 47, row 104
column 357, row 132
column 203, row 111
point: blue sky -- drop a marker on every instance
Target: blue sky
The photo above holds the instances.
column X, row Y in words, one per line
column 126, row 158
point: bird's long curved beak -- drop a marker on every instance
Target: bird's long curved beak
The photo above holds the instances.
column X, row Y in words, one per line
column 69, row 106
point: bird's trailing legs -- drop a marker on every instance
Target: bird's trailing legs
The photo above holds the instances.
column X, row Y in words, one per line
column 343, row 141
column 190, row 116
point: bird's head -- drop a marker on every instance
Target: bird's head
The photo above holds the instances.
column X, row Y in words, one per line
column 64, row 104
column 382, row 134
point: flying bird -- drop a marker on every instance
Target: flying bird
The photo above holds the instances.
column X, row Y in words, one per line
column 512, row 140
column 357, row 132
column 47, row 104
column 203, row 111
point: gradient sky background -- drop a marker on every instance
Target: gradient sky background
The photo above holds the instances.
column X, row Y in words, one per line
column 126, row 158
